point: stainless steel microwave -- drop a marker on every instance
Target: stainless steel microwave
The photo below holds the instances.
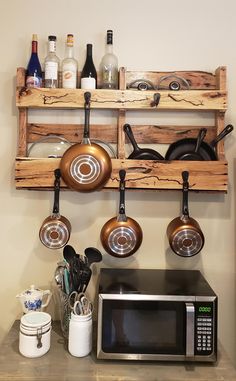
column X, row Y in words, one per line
column 156, row 315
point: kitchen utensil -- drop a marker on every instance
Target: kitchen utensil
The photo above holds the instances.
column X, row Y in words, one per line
column 140, row 153
column 34, row 299
column 79, row 303
column 55, row 230
column 86, row 166
column 92, row 255
column 206, row 151
column 121, row 236
column 184, row 233
column 50, row 146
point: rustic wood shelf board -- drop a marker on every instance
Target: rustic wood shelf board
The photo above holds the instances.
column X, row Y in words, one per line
column 125, row 99
column 145, row 174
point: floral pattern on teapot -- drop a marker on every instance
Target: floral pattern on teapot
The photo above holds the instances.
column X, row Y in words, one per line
column 34, row 299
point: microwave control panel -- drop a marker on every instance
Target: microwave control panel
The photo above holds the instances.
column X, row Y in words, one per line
column 204, row 333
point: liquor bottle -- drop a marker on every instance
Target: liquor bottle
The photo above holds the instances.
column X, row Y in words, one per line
column 89, row 73
column 52, row 63
column 34, row 71
column 69, row 65
column 109, row 65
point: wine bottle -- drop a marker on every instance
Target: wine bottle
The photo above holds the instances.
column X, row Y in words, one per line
column 52, row 63
column 34, row 71
column 109, row 65
column 69, row 65
column 89, row 73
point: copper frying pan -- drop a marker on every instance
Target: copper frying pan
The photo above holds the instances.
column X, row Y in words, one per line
column 55, row 230
column 121, row 236
column 184, row 233
column 86, row 166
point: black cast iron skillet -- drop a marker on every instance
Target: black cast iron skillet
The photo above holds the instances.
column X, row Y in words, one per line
column 179, row 150
column 140, row 153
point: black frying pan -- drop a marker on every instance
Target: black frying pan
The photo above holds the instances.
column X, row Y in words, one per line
column 179, row 150
column 140, row 153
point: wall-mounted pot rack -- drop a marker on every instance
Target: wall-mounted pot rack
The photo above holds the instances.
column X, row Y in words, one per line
column 207, row 92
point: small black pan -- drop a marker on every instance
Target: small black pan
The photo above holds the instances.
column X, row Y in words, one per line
column 140, row 153
column 179, row 149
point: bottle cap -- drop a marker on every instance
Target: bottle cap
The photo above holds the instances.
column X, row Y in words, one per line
column 52, row 38
column 34, row 37
column 70, row 39
column 109, row 36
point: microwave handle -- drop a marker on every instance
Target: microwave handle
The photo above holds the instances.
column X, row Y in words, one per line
column 190, row 324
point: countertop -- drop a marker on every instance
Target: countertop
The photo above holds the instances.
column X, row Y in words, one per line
column 59, row 365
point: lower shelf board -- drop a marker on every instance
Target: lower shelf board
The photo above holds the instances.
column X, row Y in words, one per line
column 38, row 174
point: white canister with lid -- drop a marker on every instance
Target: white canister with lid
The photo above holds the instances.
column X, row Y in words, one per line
column 80, row 335
column 35, row 334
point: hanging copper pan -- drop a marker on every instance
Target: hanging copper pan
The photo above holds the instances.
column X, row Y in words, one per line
column 87, row 166
column 121, row 236
column 55, row 230
column 184, row 233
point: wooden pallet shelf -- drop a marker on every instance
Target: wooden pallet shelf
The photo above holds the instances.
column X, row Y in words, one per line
column 207, row 93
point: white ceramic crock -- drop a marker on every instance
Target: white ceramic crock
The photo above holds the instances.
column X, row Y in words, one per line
column 35, row 334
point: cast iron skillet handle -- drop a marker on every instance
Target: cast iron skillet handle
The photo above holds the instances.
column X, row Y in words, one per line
column 156, row 100
column 57, row 174
column 222, row 134
column 130, row 135
column 201, row 136
column 87, row 98
column 185, row 176
column 122, row 174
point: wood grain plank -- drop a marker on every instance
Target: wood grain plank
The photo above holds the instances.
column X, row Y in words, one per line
column 122, row 99
column 146, row 174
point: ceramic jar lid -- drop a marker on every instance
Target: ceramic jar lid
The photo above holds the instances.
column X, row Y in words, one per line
column 35, row 320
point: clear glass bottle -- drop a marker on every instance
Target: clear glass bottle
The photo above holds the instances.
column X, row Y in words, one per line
column 109, row 65
column 52, row 64
column 69, row 65
column 89, row 73
column 34, row 71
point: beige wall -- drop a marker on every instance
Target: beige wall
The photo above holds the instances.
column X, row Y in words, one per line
column 149, row 35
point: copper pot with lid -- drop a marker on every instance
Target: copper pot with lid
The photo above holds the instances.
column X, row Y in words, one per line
column 184, row 233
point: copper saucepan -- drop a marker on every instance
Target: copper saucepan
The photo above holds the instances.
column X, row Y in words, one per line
column 55, row 230
column 86, row 166
column 184, row 233
column 121, row 236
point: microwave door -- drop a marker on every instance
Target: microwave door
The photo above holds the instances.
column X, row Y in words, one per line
column 190, row 332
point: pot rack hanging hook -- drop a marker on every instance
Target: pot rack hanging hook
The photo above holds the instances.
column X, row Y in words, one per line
column 156, row 100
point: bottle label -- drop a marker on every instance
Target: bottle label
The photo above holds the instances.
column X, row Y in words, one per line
column 69, row 76
column 33, row 81
column 51, row 70
column 88, row 83
column 52, row 46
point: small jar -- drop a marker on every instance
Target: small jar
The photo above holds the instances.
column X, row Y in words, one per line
column 80, row 335
column 35, row 334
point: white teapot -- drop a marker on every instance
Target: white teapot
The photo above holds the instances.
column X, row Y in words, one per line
column 34, row 299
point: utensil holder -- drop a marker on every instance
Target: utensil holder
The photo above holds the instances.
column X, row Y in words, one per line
column 64, row 311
